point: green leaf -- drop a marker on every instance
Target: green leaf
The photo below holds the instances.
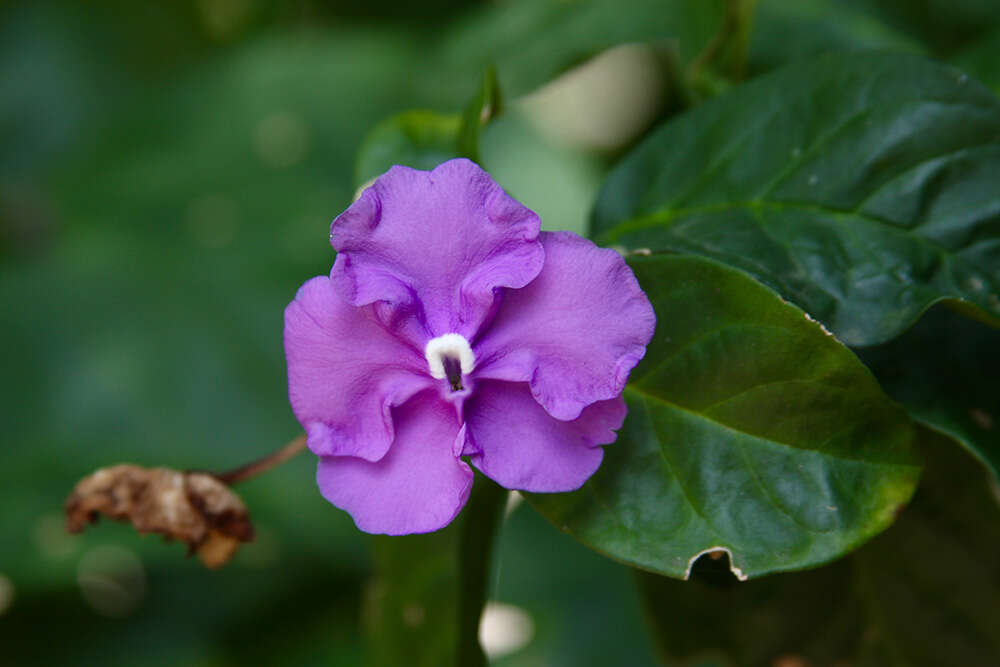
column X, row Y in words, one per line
column 924, row 593
column 943, row 371
column 944, row 25
column 982, row 60
column 785, row 31
column 750, row 429
column 424, row 605
column 424, row 139
column 865, row 195
column 556, row 182
column 532, row 41
column 478, row 113
column 418, row 139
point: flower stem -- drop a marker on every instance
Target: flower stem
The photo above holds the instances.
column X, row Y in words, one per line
column 732, row 33
column 262, row 465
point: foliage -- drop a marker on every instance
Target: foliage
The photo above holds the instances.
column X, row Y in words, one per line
column 750, row 429
column 814, row 215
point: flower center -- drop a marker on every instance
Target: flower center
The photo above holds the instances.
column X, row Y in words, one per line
column 450, row 357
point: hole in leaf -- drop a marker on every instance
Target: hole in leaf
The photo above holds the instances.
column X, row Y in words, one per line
column 715, row 569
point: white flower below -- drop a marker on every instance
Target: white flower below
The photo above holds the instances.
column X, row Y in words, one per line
column 504, row 629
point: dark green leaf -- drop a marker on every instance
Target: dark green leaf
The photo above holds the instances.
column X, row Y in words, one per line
column 944, row 371
column 813, row 616
column 860, row 186
column 531, row 41
column 785, row 31
column 982, row 60
column 924, row 593
column 424, row 604
column 750, row 429
column 931, row 584
column 944, row 25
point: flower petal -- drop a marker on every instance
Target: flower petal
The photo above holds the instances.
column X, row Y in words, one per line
column 345, row 373
column 418, row 487
column 435, row 244
column 519, row 445
column 575, row 332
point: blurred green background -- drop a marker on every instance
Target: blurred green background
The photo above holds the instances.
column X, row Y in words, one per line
column 168, row 173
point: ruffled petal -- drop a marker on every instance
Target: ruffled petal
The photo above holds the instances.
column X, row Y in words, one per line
column 512, row 440
column 345, row 373
column 418, row 487
column 435, row 245
column 575, row 332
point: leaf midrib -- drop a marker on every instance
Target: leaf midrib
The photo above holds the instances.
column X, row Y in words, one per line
column 645, row 395
column 668, row 217
column 751, row 470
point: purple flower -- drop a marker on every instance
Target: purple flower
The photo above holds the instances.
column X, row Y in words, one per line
column 450, row 327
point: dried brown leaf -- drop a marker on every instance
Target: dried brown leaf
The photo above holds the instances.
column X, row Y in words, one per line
column 195, row 508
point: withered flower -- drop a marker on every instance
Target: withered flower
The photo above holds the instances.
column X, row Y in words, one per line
column 193, row 507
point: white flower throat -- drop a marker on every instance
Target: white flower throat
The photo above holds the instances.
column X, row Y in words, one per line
column 450, row 357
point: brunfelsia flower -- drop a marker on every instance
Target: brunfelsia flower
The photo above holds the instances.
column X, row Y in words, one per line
column 451, row 327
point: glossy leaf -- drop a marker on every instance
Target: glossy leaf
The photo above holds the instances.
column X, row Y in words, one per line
column 424, row 604
column 750, row 429
column 924, row 593
column 861, row 187
column 944, row 371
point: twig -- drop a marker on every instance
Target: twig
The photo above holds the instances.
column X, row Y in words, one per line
column 262, row 465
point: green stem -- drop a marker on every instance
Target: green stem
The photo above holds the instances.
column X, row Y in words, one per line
column 483, row 514
column 424, row 603
column 732, row 37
